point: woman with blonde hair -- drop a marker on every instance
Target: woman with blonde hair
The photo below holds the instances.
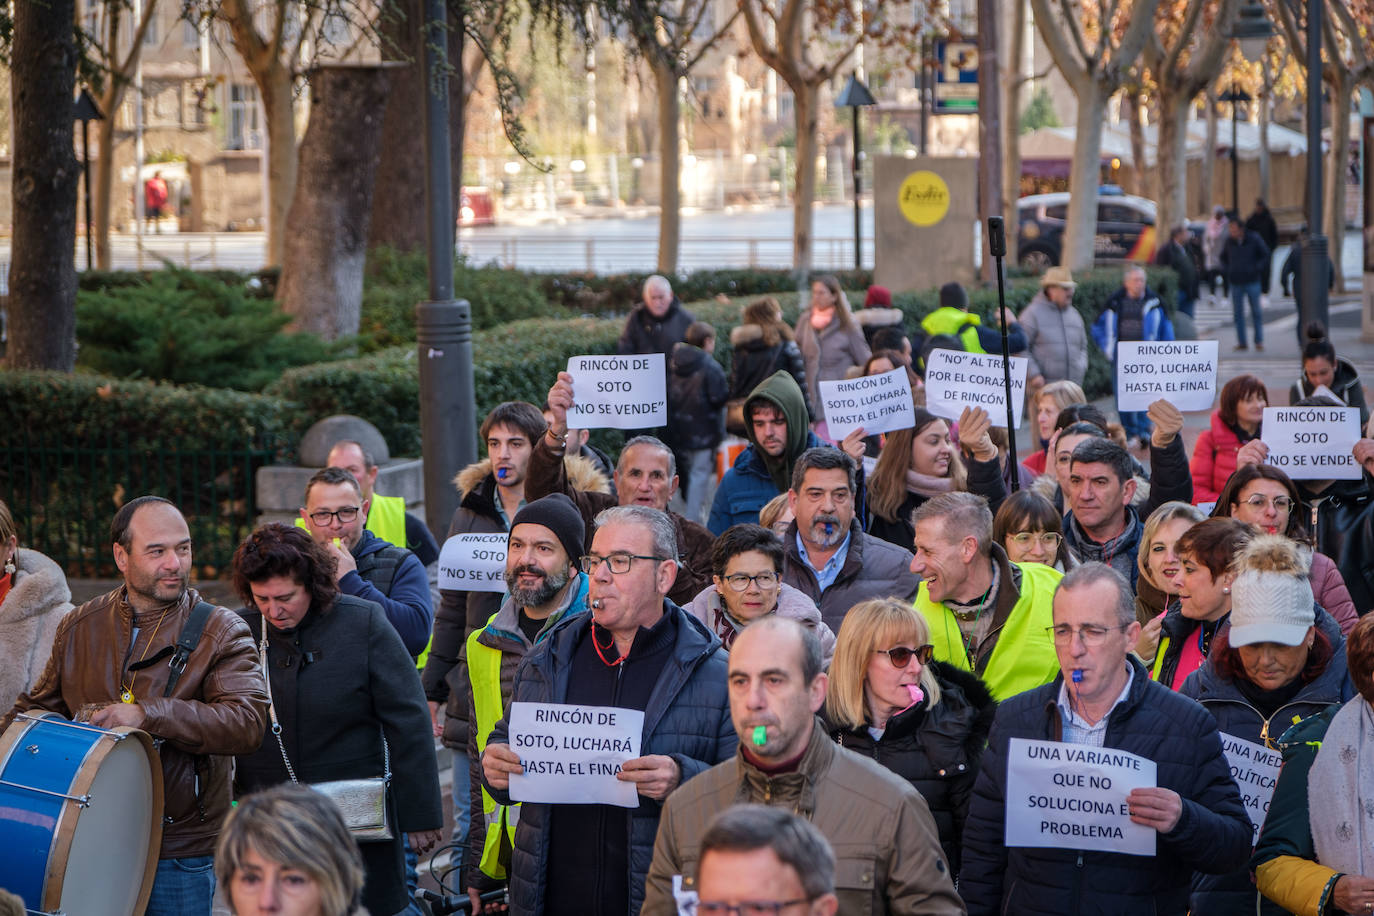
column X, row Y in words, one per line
column 1158, row 562
column 1049, row 401
column 829, row 338
column 924, row 720
column 286, row 850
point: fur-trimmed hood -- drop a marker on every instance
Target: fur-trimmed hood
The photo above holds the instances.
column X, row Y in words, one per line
column 758, row 337
column 582, row 474
column 38, row 588
column 870, row 318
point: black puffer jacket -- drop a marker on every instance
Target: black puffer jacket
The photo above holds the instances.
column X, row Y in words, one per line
column 758, row 353
column 1212, row 834
column 1234, row 894
column 646, row 334
column 697, row 392
column 936, row 750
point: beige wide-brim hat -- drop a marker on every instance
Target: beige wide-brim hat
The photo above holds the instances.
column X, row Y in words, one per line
column 1058, row 276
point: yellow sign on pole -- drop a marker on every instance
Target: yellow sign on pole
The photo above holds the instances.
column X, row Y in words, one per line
column 924, row 198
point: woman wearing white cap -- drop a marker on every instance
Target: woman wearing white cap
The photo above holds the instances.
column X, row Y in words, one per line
column 1282, row 659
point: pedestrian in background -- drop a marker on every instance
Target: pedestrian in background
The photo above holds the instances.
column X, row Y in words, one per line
column 1261, row 222
column 697, row 392
column 1244, row 257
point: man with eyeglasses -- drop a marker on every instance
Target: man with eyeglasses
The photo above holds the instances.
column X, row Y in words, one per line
column 761, row 861
column 888, row 846
column 635, row 650
column 368, row 567
column 746, row 563
column 986, row 614
column 1103, row 697
column 829, row 557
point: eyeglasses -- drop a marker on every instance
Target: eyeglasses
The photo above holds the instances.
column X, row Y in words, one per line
column 618, row 562
column 748, row 908
column 344, row 515
column 1091, row 634
column 901, row 656
column 764, row 580
column 1047, row 539
column 1259, row 501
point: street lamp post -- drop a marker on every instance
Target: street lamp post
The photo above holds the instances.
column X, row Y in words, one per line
column 1235, row 95
column 855, row 95
column 86, row 112
column 1312, row 305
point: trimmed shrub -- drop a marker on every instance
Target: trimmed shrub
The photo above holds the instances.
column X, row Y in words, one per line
column 396, row 281
column 179, row 326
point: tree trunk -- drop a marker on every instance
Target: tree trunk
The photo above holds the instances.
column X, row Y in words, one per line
column 1084, row 172
column 670, row 166
column 1206, row 200
column 326, row 233
column 1140, row 176
column 277, row 93
column 1336, row 167
column 1172, row 154
column 807, row 101
column 101, row 199
column 1011, row 125
column 42, row 310
column 400, row 171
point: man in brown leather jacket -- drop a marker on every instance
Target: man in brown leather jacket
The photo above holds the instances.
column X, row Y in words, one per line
column 109, row 667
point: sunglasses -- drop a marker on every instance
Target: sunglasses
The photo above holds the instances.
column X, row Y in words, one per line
column 901, row 656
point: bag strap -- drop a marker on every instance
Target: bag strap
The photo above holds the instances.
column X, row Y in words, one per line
column 276, row 726
column 186, row 643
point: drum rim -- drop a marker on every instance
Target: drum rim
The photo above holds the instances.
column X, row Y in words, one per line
column 65, row 831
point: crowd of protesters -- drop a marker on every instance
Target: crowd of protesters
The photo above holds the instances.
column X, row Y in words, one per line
column 839, row 659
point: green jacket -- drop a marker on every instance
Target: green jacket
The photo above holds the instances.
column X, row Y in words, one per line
column 781, row 391
column 1285, row 861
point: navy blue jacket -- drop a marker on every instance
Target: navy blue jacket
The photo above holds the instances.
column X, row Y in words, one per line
column 688, row 719
column 1212, row 834
column 1234, row 893
column 1245, row 261
column 407, row 602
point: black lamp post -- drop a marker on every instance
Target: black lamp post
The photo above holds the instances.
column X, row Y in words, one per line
column 855, row 95
column 86, row 112
column 1312, row 305
column 1235, row 95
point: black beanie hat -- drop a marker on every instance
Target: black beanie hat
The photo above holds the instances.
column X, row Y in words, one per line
column 557, row 513
column 954, row 296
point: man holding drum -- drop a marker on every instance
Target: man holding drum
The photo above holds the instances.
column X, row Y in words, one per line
column 113, row 663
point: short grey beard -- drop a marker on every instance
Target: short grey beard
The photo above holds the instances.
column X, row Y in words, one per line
column 539, row 594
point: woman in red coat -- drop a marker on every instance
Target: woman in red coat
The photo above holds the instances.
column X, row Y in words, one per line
column 1235, row 422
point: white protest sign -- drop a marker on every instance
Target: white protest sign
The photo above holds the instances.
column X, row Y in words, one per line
column 572, row 753
column 878, row 403
column 618, row 392
column 473, row 563
column 955, row 380
column 1313, row 443
column 1073, row 796
column 1183, row 372
column 1255, row 769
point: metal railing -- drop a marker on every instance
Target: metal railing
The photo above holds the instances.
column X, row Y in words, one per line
column 63, row 495
column 617, row 254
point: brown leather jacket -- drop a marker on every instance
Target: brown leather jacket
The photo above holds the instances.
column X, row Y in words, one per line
column 219, row 707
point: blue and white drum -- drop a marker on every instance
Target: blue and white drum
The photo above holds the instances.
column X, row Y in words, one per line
column 80, row 816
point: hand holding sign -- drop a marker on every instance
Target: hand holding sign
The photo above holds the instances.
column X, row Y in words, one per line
column 560, row 402
column 654, row 776
column 499, row 763
column 1155, row 806
column 618, row 392
column 1168, row 421
column 1364, row 454
column 974, row 438
column 1252, row 452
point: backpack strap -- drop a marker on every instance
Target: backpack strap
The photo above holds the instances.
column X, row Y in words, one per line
column 186, row 643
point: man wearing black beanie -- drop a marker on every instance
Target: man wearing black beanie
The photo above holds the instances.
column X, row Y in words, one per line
column 544, row 587
column 952, row 319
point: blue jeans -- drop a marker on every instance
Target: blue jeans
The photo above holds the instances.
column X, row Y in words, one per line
column 698, row 468
column 461, row 802
column 1239, row 293
column 1186, row 304
column 183, row 887
column 1136, row 423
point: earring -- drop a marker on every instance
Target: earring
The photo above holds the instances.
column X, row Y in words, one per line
column 9, row 565
column 1226, row 590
